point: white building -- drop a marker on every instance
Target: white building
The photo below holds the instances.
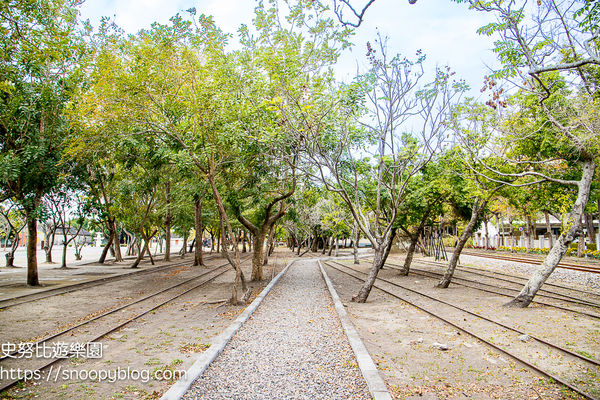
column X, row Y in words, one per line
column 518, row 237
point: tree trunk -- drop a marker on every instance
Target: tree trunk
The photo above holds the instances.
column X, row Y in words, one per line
column 409, row 255
column 168, row 219
column 512, row 231
column 414, row 240
column 355, row 241
column 314, row 242
column 198, row 255
column 528, row 229
column 589, row 224
column 478, row 207
column 49, row 243
column 337, row 246
column 116, row 241
column 64, row 252
column 499, row 228
column 10, row 256
column 269, row 244
column 525, row 297
column 148, row 250
column 548, row 229
column 389, row 247
column 330, row 246
column 10, row 259
column 105, row 250
column 324, row 245
column 244, row 250
column 581, row 244
column 257, row 256
column 225, row 224
column 487, row 235
column 378, row 260
column 141, row 251
column 183, row 250
column 32, row 270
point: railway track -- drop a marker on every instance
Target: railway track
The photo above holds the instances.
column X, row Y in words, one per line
column 470, row 322
column 64, row 289
column 107, row 322
column 517, row 280
column 496, row 289
column 530, row 260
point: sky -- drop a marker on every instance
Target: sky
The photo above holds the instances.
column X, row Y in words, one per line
column 442, row 29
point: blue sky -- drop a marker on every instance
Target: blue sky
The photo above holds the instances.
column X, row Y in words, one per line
column 444, row 30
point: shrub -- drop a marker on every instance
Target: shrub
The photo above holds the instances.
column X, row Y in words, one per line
column 592, row 253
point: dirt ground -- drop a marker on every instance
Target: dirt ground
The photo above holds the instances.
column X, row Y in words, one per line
column 398, row 336
column 401, row 340
column 165, row 340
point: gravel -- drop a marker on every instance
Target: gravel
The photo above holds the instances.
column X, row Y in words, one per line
column 586, row 279
column 293, row 347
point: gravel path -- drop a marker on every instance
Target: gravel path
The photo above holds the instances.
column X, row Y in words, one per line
column 293, row 347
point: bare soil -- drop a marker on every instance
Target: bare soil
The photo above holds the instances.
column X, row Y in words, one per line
column 400, row 338
column 167, row 339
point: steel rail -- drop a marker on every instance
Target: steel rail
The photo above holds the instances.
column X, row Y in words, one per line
column 226, row 267
column 565, row 298
column 519, row 280
column 465, row 330
column 454, row 281
column 529, row 260
column 577, row 355
column 57, row 291
column 587, row 314
column 114, row 310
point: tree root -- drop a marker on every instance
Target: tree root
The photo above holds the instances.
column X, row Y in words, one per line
column 517, row 303
column 215, row 301
column 247, row 295
column 356, row 299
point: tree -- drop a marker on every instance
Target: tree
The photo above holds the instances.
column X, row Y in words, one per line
column 73, row 204
column 40, row 49
column 142, row 181
column 335, row 219
column 14, row 221
column 406, row 126
column 357, row 13
column 51, row 209
column 286, row 67
column 551, row 130
column 423, row 203
column 173, row 85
